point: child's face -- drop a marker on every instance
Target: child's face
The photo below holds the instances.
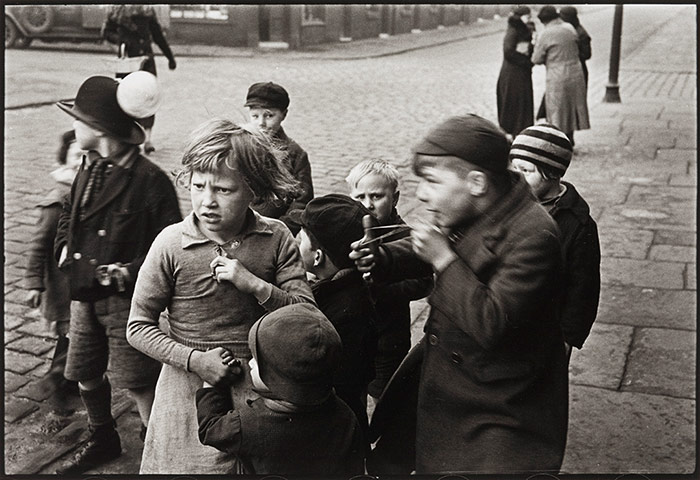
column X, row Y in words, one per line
column 255, row 375
column 532, row 175
column 444, row 191
column 220, row 201
column 86, row 137
column 267, row 120
column 308, row 253
column 377, row 195
column 74, row 156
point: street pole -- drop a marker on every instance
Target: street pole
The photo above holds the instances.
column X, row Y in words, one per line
column 612, row 89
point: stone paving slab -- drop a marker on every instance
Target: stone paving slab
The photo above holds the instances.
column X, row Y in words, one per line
column 662, row 362
column 648, row 307
column 601, row 361
column 626, row 243
column 658, row 432
column 673, row 253
column 642, row 273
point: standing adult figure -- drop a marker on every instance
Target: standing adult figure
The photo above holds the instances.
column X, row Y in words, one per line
column 136, row 27
column 565, row 90
column 514, row 88
column 570, row 15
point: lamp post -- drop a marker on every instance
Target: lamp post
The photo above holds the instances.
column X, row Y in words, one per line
column 612, row 89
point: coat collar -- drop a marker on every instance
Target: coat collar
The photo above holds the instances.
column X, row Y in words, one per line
column 192, row 235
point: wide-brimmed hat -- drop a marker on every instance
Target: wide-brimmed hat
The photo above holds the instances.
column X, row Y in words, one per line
column 298, row 351
column 96, row 105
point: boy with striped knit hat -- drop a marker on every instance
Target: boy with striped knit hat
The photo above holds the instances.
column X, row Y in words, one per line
column 542, row 153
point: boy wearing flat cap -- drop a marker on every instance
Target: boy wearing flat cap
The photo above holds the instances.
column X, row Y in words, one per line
column 493, row 393
column 268, row 104
column 542, row 154
column 298, row 425
column 118, row 203
column 329, row 224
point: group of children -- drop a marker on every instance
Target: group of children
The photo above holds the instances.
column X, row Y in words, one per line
column 248, row 350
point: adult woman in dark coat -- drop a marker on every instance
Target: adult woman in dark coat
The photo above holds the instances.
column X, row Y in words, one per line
column 514, row 88
column 136, row 27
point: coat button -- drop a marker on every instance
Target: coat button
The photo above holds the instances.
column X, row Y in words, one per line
column 456, row 358
column 77, row 256
column 433, row 339
column 101, row 233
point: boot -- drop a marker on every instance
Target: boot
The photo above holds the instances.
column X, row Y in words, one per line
column 102, row 446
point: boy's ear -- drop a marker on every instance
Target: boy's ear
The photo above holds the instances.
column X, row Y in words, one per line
column 396, row 198
column 319, row 257
column 477, row 183
column 284, row 113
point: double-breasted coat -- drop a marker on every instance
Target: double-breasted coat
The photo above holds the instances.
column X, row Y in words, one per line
column 565, row 90
column 493, row 390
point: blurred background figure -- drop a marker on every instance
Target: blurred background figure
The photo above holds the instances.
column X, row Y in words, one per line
column 133, row 28
column 565, row 90
column 514, row 87
column 570, row 15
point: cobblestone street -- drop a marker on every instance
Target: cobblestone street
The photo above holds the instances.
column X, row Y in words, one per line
column 632, row 386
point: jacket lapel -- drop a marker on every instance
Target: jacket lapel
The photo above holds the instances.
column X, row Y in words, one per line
column 115, row 184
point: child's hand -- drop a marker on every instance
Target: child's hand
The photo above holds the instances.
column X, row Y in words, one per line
column 232, row 270
column 33, row 298
column 363, row 257
column 212, row 366
column 432, row 246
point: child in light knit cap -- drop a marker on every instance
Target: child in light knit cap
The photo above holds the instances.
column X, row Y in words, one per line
column 298, row 425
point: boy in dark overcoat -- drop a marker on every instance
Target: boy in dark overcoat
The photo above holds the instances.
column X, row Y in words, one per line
column 117, row 205
column 493, row 393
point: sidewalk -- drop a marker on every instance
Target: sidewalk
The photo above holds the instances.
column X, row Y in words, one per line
column 632, row 387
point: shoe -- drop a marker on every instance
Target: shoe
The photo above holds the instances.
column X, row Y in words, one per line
column 102, row 446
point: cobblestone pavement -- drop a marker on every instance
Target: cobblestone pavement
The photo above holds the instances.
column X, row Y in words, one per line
column 632, row 405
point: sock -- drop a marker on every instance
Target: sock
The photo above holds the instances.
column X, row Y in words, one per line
column 98, row 403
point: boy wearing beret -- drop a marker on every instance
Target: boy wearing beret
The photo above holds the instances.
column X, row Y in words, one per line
column 329, row 224
column 297, row 425
column 493, row 392
column 542, row 154
column 268, row 104
column 118, row 203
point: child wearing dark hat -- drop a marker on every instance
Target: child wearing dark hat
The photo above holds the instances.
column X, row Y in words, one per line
column 298, row 426
column 47, row 287
column 493, row 389
column 216, row 273
column 268, row 105
column 542, row 154
column 328, row 225
column 118, row 203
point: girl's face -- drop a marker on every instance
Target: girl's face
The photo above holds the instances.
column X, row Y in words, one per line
column 220, row 201
column 532, row 175
column 376, row 194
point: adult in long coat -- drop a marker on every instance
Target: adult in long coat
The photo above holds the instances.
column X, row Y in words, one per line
column 565, row 91
column 514, row 88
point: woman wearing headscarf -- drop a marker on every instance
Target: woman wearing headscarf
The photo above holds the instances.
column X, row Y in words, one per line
column 570, row 15
column 565, row 89
column 514, row 87
column 136, row 27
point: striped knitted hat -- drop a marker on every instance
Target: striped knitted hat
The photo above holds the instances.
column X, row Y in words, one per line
column 543, row 145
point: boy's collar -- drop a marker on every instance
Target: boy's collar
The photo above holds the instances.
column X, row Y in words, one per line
column 192, row 235
column 124, row 157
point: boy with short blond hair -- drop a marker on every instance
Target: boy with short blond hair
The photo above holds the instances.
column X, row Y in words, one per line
column 375, row 184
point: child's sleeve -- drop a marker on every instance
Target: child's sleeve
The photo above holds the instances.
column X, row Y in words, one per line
column 290, row 278
column 152, row 294
column 219, row 424
column 41, row 247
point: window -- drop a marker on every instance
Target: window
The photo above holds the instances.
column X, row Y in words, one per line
column 201, row 12
column 313, row 14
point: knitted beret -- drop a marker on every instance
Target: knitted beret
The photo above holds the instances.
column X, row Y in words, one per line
column 543, row 145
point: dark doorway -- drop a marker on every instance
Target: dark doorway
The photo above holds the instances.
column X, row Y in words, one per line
column 264, row 23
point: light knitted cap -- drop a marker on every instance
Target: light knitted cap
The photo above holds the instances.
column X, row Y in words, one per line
column 544, row 145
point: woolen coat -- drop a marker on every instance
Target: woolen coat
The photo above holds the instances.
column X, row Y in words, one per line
column 565, row 89
column 514, row 88
column 581, row 250
column 493, row 391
